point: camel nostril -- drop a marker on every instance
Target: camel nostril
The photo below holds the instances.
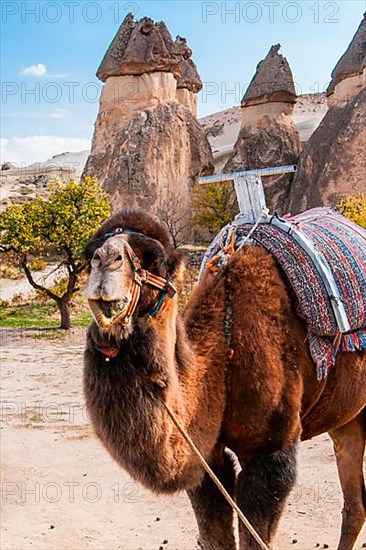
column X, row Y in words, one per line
column 96, row 260
column 118, row 259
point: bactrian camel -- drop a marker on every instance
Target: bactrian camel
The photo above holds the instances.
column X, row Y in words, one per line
column 258, row 401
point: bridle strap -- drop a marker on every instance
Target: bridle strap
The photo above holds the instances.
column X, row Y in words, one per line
column 142, row 276
column 135, row 296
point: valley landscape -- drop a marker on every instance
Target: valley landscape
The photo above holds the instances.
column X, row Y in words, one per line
column 60, row 489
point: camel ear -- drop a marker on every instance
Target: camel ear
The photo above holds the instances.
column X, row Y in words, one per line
column 176, row 265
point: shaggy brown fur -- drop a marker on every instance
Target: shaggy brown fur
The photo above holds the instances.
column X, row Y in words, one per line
column 259, row 404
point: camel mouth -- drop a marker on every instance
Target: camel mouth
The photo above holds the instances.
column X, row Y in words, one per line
column 106, row 313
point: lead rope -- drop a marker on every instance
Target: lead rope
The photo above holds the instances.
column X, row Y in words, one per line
column 215, row 479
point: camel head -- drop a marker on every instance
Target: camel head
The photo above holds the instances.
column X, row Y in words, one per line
column 132, row 270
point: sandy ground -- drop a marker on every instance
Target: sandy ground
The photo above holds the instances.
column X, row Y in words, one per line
column 61, row 490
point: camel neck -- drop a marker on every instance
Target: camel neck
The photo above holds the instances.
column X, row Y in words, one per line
column 126, row 404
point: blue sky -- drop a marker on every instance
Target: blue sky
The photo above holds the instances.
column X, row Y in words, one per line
column 50, row 51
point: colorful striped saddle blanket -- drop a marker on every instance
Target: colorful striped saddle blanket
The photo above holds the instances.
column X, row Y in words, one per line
column 323, row 255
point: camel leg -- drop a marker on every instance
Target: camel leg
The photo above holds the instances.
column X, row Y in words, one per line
column 349, row 445
column 261, row 491
column 213, row 514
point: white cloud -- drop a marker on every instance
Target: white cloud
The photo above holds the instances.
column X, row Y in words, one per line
column 27, row 150
column 59, row 113
column 41, row 70
column 35, row 70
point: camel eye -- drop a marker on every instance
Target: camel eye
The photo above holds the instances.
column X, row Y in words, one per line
column 119, row 258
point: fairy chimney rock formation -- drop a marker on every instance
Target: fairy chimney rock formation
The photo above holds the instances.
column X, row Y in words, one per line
column 268, row 136
column 272, row 88
column 147, row 144
column 189, row 82
column 333, row 162
column 349, row 75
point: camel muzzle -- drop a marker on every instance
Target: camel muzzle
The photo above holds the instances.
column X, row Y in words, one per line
column 107, row 313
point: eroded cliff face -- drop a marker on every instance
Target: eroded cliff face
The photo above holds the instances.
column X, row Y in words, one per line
column 333, row 162
column 269, row 142
column 268, row 136
column 156, row 159
column 122, row 97
column 148, row 148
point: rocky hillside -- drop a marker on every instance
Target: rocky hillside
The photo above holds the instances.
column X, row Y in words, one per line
column 222, row 128
column 18, row 184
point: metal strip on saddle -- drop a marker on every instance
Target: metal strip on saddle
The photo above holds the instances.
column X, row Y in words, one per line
column 321, row 266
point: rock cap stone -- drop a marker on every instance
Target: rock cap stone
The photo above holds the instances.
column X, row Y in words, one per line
column 272, row 82
column 353, row 60
column 189, row 79
column 141, row 47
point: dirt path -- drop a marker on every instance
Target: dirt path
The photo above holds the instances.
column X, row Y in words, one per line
column 61, row 490
column 9, row 288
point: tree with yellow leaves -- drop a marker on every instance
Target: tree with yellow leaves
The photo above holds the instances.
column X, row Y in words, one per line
column 62, row 223
column 354, row 208
column 214, row 206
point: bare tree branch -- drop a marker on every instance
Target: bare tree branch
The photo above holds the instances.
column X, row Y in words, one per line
column 177, row 222
column 33, row 283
